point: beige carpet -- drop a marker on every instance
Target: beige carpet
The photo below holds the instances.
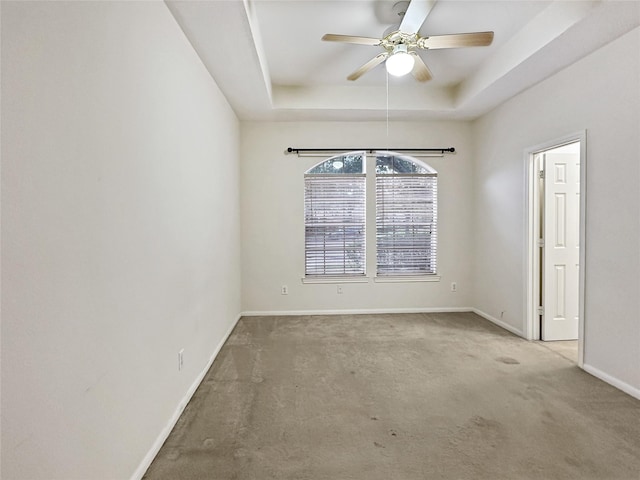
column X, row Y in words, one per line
column 567, row 348
column 412, row 396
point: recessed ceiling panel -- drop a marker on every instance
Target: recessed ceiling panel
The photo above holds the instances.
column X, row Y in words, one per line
column 291, row 33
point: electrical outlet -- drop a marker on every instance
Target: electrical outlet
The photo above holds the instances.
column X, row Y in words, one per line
column 284, row 290
column 180, row 359
column 339, row 289
column 454, row 287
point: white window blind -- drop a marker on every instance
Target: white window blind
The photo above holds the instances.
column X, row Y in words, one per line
column 406, row 223
column 334, row 212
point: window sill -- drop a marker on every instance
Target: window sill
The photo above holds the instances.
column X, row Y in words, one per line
column 407, row 278
column 335, row 280
column 381, row 279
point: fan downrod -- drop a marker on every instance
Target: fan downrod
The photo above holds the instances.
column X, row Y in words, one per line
column 399, row 9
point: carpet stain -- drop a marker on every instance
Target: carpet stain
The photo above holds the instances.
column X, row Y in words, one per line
column 508, row 360
column 240, row 453
column 548, row 416
column 572, row 461
column 534, row 393
column 479, row 431
column 173, row 454
column 379, row 445
column 208, row 443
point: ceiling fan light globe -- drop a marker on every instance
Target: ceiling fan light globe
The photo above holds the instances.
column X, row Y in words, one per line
column 399, row 64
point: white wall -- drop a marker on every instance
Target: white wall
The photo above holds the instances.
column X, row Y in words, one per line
column 273, row 216
column 599, row 94
column 120, row 232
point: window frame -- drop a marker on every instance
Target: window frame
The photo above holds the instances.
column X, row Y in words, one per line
column 322, row 185
column 370, row 232
column 406, row 201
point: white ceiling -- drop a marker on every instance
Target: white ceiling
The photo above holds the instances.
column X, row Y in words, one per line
column 268, row 58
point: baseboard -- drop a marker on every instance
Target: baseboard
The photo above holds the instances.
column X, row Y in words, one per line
column 619, row 384
column 164, row 434
column 499, row 323
column 357, row 311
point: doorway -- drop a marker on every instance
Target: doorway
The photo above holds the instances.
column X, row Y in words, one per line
column 555, row 239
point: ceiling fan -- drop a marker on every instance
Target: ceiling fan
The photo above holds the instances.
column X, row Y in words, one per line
column 401, row 45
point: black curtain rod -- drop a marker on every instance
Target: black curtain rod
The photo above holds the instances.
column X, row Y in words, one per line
column 370, row 150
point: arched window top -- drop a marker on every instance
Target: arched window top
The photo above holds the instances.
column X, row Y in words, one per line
column 390, row 163
column 349, row 163
column 387, row 163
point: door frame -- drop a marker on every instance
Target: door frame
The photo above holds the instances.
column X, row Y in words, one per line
column 532, row 233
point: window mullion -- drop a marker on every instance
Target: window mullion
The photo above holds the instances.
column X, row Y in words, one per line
column 371, row 214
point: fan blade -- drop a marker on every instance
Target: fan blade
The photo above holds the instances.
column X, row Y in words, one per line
column 330, row 37
column 374, row 62
column 478, row 39
column 415, row 15
column 420, row 70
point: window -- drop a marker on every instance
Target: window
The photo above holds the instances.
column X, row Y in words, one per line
column 334, row 217
column 406, row 216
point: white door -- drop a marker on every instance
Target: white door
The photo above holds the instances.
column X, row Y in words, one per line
column 561, row 233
